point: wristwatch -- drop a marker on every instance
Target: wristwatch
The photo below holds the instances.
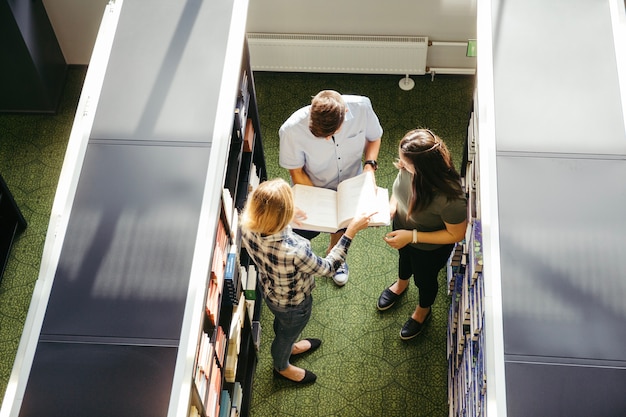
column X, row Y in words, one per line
column 371, row 162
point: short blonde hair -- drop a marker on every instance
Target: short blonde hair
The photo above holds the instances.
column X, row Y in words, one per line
column 269, row 208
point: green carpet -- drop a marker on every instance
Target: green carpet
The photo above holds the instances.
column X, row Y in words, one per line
column 363, row 367
column 32, row 148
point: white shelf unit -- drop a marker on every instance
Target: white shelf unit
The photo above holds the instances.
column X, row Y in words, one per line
column 119, row 307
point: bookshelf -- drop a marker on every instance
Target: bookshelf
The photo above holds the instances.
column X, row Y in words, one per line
column 550, row 343
column 467, row 382
column 145, row 306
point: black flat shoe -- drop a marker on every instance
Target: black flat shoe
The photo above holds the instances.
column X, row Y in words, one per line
column 387, row 299
column 315, row 344
column 413, row 328
column 309, row 377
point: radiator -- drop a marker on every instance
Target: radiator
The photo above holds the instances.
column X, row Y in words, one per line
column 338, row 53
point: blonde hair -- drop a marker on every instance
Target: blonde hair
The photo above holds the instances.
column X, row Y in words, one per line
column 269, row 208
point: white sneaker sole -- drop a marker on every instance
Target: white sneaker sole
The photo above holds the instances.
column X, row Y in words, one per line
column 340, row 279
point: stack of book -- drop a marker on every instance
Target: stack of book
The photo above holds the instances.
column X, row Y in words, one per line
column 454, row 267
column 212, row 402
column 234, row 339
column 204, row 364
column 466, row 347
column 225, row 404
column 248, row 284
column 237, row 398
column 218, row 269
column 231, row 275
column 254, row 178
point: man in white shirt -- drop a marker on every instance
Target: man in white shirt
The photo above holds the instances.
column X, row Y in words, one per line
column 335, row 138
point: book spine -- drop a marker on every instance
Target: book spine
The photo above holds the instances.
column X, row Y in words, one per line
column 230, row 277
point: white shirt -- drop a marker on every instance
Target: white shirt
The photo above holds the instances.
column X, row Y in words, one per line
column 328, row 162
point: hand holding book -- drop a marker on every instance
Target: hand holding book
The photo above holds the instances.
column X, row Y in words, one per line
column 329, row 211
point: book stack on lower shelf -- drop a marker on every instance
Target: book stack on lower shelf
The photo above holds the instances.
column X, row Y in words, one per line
column 234, row 339
column 253, row 302
column 227, row 356
column 231, row 330
column 226, row 309
column 466, row 345
column 211, row 352
column 466, row 373
column 218, row 270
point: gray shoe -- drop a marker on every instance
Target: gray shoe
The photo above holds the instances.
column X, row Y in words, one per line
column 341, row 276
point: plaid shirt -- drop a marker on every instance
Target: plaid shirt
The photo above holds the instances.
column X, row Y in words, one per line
column 286, row 264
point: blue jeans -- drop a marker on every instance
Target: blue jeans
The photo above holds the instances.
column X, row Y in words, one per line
column 288, row 324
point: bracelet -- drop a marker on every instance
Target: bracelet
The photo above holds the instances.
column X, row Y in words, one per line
column 414, row 236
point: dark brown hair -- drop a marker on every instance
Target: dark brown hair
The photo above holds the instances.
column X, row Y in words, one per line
column 434, row 170
column 328, row 111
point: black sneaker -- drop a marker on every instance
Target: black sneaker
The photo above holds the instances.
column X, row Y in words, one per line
column 413, row 328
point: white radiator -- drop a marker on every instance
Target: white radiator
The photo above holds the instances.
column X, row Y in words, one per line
column 338, row 53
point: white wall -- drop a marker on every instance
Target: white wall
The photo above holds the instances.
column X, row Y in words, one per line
column 76, row 22
column 439, row 20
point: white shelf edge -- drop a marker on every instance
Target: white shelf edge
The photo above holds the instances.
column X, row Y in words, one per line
column 182, row 385
column 488, row 195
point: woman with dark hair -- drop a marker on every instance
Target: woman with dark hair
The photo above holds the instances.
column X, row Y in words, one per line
column 429, row 212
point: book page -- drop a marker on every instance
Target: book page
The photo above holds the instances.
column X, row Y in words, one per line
column 359, row 195
column 320, row 206
column 353, row 196
column 383, row 215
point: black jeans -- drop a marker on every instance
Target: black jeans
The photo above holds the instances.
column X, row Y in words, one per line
column 307, row 234
column 424, row 265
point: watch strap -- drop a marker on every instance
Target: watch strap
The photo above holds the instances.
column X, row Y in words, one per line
column 371, row 162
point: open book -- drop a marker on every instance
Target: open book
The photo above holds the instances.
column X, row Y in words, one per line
column 329, row 210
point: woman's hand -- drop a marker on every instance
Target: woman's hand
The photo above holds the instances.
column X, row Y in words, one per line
column 359, row 222
column 399, row 238
column 298, row 216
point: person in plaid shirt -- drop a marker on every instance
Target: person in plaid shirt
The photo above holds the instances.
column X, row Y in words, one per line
column 286, row 268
